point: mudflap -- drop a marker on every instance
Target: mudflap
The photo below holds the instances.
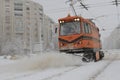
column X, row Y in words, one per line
column 93, row 56
column 98, row 56
column 101, row 55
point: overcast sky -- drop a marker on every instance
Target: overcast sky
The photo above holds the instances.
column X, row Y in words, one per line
column 103, row 11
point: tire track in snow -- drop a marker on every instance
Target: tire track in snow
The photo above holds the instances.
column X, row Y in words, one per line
column 19, row 77
column 22, row 76
column 61, row 73
column 103, row 68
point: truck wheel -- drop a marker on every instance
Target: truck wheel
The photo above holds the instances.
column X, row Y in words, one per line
column 87, row 57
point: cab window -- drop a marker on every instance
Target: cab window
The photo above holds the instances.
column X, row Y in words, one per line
column 86, row 28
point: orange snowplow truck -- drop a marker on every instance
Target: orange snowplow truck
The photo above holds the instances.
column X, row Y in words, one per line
column 80, row 36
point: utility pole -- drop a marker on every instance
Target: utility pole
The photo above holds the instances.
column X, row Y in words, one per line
column 72, row 2
column 84, row 6
column 71, row 5
column 73, row 9
column 116, row 2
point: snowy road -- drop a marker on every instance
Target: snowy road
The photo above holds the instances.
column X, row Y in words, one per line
column 62, row 67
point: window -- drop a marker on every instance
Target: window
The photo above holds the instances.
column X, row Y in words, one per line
column 28, row 34
column 40, row 13
column 28, row 18
column 16, row 14
column 36, row 24
column 28, row 39
column 27, row 8
column 28, row 22
column 7, row 19
column 7, row 0
column 40, row 9
column 35, row 13
column 36, row 35
column 28, row 13
column 7, row 5
column 7, row 12
column 18, row 4
column 86, row 28
column 7, row 9
column 8, row 28
column 69, row 28
column 27, row 3
column 7, row 22
column 19, row 25
column 41, row 18
column 8, row 34
column 18, row 9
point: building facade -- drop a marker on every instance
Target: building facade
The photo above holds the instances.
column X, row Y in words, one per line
column 21, row 19
column 49, row 35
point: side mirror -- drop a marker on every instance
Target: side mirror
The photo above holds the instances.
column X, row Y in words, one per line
column 55, row 30
column 98, row 29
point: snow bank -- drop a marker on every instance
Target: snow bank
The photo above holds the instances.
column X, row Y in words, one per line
column 111, row 54
column 43, row 61
column 113, row 41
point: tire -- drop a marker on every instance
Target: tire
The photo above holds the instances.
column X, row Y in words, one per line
column 101, row 54
column 87, row 57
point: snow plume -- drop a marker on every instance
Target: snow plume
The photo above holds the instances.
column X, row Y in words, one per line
column 44, row 61
column 12, row 47
column 113, row 41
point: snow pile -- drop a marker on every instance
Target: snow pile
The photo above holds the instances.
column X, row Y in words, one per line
column 111, row 54
column 43, row 61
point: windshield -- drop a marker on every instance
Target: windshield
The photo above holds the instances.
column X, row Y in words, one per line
column 69, row 28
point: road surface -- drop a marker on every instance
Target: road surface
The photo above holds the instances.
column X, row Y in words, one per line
column 62, row 68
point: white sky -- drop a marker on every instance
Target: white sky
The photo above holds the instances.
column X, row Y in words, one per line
column 58, row 8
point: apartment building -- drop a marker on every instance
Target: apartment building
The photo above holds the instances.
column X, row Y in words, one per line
column 21, row 19
column 48, row 32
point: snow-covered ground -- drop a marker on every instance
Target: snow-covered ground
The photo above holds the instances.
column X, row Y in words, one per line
column 56, row 66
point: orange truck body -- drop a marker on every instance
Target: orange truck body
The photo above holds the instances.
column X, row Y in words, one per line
column 82, row 41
